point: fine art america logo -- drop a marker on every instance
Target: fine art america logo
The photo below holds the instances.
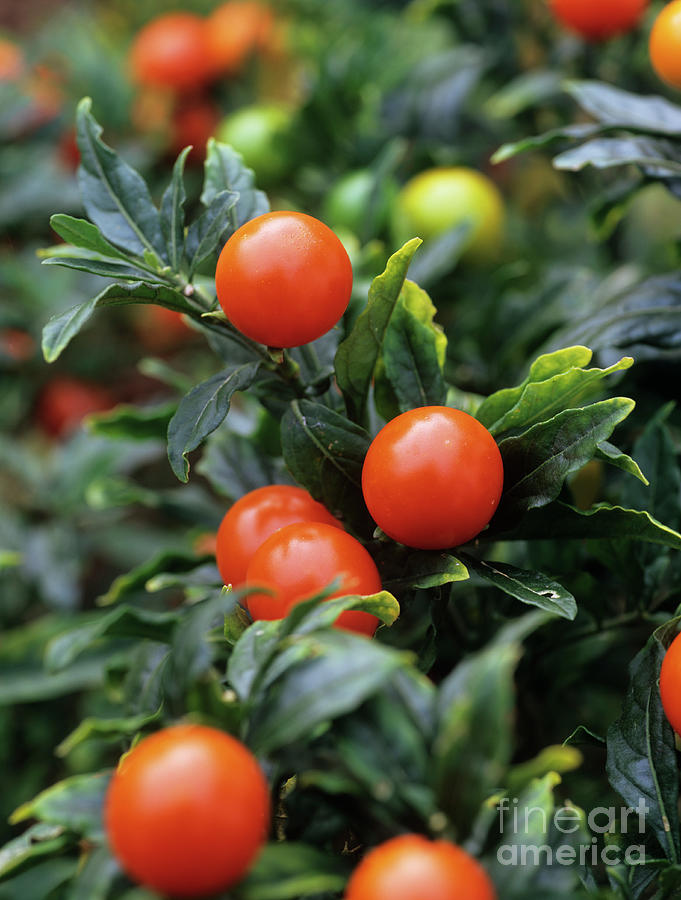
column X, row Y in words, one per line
column 570, row 844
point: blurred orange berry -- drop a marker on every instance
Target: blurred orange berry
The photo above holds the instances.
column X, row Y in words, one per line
column 236, row 30
column 171, row 51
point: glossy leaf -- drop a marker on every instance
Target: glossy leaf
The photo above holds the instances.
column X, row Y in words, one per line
column 357, row 355
column 613, row 106
column 74, row 804
column 36, row 842
column 62, row 328
column 202, row 411
column 209, row 231
column 562, row 521
column 325, row 453
column 413, row 354
column 123, row 621
column 532, row 588
column 84, row 234
column 320, row 688
column 115, row 196
column 537, row 462
column 642, row 765
column 172, row 213
column 224, row 170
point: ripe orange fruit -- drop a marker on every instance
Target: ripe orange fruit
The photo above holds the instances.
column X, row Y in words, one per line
column 670, row 684
column 665, row 44
column 171, row 51
column 410, row 867
column 598, row 20
column 235, row 31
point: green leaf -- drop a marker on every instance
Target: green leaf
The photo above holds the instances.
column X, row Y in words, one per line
column 473, row 746
column 358, row 353
column 250, row 656
column 413, row 354
column 562, row 521
column 210, row 229
column 136, row 579
column 34, row 684
column 325, row 452
column 105, row 268
column 319, row 613
column 427, row 570
column 642, row 765
column 75, row 804
column 115, row 196
column 123, row 621
column 133, row 423
column 440, row 255
column 661, row 157
column 537, row 462
column 494, row 408
column 95, row 879
column 615, row 457
column 538, row 142
column 613, row 106
column 643, row 319
column 540, row 400
column 40, row 879
column 321, row 687
column 288, row 871
column 224, row 170
column 529, row 825
column 108, row 728
column 84, row 234
column 38, row 841
column 62, row 328
column 532, row 588
column 172, row 213
column 234, row 465
column 203, row 409
column 191, row 653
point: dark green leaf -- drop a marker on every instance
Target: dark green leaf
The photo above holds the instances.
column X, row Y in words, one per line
column 250, row 656
column 208, row 232
column 115, row 196
column 357, row 355
column 42, row 879
column 103, row 267
column 532, row 588
column 108, row 728
column 344, row 671
column 537, row 462
column 440, row 255
column 325, row 453
column 224, row 170
column 95, row 878
column 38, row 841
column 133, row 423
column 657, row 157
column 62, row 328
column 288, row 871
column 428, row 570
column 123, row 621
column 82, row 233
column 172, row 213
column 234, row 465
column 613, row 106
column 644, row 319
column 567, row 132
column 413, row 352
column 74, row 804
column 136, row 579
column 642, row 765
column 562, row 521
column 202, row 411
